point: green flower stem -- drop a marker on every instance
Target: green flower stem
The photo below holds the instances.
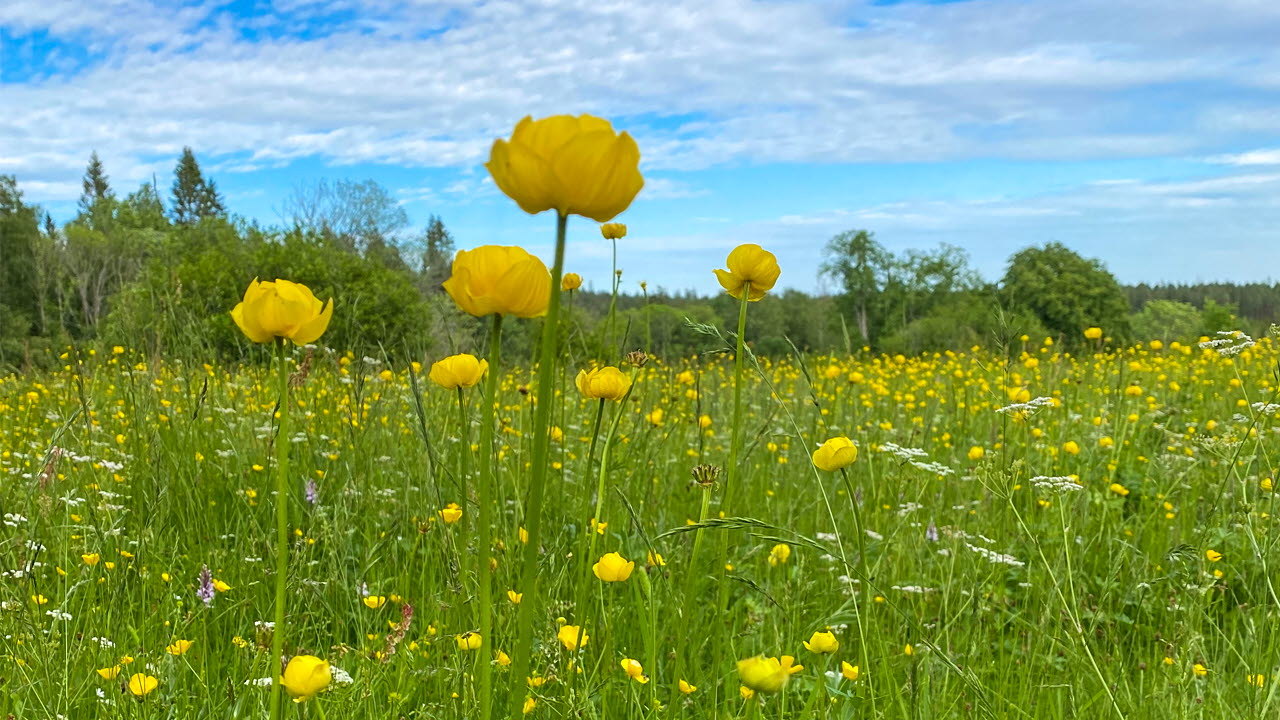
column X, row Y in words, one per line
column 282, row 528
column 464, row 433
column 484, row 524
column 691, row 606
column 731, row 477
column 864, row 585
column 537, row 482
column 613, row 303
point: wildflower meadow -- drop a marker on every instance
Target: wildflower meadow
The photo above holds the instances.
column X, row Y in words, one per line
column 1043, row 527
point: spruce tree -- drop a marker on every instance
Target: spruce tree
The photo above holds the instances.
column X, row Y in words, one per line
column 96, row 185
column 194, row 197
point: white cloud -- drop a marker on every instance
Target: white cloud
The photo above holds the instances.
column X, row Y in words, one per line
column 700, row 83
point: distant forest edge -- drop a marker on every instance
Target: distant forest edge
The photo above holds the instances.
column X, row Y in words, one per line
column 159, row 273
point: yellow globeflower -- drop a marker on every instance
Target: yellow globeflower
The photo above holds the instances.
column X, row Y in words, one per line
column 281, row 309
column 499, row 279
column 451, row 514
column 1071, row 447
column 179, row 647
column 306, row 676
column 141, row 684
column 1093, row 333
column 834, row 454
column 822, row 643
column 606, row 383
column 779, row 554
column 91, row 558
column 570, row 281
column 763, row 674
column 634, row 670
column 976, row 453
column 568, row 636
column 470, row 641
column 850, row 672
column 1212, row 555
column 613, row 231
column 749, row 263
column 458, row 371
column 613, row 568
column 573, row 165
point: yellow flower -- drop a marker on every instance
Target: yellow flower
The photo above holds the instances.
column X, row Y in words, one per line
column 746, row 692
column 1256, row 680
column 655, row 417
column 514, row 597
column 788, row 663
column 450, row 515
column 1199, row 670
column 1266, row 484
column 655, row 559
column 779, row 554
column 1213, row 555
column 39, row 599
column 142, row 685
column 504, row 659
column 373, row 602
column 570, row 281
column 613, row 568
column 822, row 643
column 976, row 453
column 687, row 688
column 1106, row 442
column 568, row 636
column 179, row 647
column 606, row 383
column 749, row 263
column 91, row 558
column 499, row 279
column 1071, row 447
column 763, row 674
column 613, row 231
column 458, row 371
column 908, row 650
column 470, row 641
column 306, row 676
column 529, row 705
column 1119, row 489
column 281, row 309
column 573, row 165
column 109, row 673
column 850, row 672
column 220, row 586
column 1093, row 333
column 634, row 670
column 835, row 453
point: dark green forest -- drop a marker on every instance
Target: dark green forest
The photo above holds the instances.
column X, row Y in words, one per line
column 158, row 269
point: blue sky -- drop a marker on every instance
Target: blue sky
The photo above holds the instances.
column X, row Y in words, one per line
column 1144, row 133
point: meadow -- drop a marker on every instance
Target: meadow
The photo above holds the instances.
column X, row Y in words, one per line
column 1050, row 527
column 1101, row 548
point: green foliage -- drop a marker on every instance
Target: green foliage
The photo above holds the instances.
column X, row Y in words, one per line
column 1167, row 320
column 194, row 197
column 1067, row 292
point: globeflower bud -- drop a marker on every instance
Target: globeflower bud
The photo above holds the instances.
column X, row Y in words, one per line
column 822, row 643
column 499, row 279
column 306, row 676
column 613, row 231
column 613, row 568
column 570, row 281
column 834, row 454
column 606, row 383
column 281, row 309
column 458, row 371
column 749, row 264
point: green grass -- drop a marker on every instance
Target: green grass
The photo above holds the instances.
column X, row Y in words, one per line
column 172, row 463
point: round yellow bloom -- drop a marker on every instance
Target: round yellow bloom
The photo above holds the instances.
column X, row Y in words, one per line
column 470, row 641
column 573, row 165
column 835, row 453
column 141, row 684
column 179, row 647
column 613, row 231
column 450, row 515
column 1118, row 489
column 822, row 643
column 1093, row 333
column 634, row 670
column 281, row 309
column 976, row 453
column 606, row 383
column 91, row 558
column 458, row 371
column 613, row 568
column 1212, row 555
column 749, row 263
column 687, row 688
column 568, row 636
column 1071, row 447
column 850, row 672
column 109, row 673
column 779, row 554
column 306, row 676
column 570, row 281
column 763, row 674
column 1199, row 670
column 500, row 279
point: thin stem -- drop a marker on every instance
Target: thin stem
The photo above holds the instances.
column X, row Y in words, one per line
column 282, row 528
column 537, row 482
column 484, row 524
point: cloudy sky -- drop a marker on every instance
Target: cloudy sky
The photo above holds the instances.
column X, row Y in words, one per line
column 1142, row 132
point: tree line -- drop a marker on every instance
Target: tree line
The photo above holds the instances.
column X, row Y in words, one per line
column 160, row 272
